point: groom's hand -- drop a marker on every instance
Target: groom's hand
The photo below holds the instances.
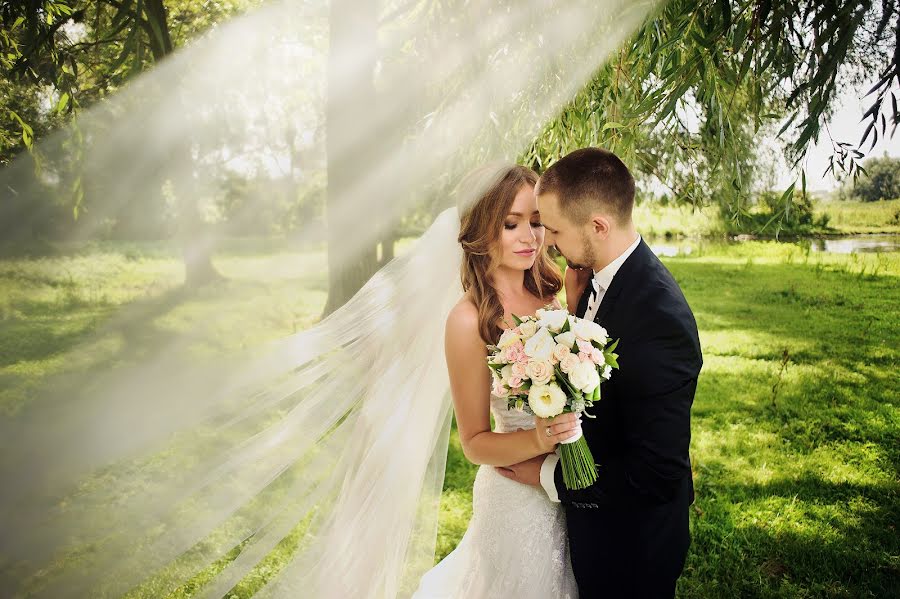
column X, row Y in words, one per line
column 527, row 472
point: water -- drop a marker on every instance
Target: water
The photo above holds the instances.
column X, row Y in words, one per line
column 835, row 245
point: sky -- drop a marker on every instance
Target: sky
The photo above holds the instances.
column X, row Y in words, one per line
column 845, row 126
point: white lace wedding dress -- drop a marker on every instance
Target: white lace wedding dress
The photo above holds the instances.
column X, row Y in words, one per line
column 516, row 545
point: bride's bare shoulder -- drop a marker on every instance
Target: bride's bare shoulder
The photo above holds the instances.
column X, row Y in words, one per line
column 464, row 315
column 462, row 328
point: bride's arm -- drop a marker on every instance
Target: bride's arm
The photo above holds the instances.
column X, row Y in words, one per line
column 470, row 384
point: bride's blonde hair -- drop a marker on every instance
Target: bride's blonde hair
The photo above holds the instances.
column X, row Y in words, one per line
column 490, row 192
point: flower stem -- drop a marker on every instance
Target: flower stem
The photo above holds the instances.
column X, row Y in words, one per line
column 578, row 467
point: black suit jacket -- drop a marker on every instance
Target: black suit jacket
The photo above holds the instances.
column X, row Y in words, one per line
column 629, row 531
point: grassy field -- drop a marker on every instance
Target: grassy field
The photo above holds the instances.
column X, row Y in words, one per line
column 862, row 217
column 796, row 423
column 845, row 218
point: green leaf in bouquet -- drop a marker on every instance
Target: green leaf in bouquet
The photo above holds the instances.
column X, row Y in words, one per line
column 611, row 359
column 565, row 327
column 613, row 346
column 517, row 320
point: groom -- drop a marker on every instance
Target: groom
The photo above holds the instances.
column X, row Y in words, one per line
column 628, row 533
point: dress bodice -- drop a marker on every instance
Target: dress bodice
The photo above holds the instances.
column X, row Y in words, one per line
column 506, row 420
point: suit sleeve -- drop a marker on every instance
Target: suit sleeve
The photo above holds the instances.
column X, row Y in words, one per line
column 654, row 398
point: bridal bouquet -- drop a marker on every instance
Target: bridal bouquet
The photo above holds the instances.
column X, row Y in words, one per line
column 552, row 363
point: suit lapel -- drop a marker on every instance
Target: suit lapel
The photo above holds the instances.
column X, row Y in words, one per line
column 622, row 279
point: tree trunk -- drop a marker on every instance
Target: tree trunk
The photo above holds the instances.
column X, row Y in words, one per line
column 351, row 96
column 196, row 241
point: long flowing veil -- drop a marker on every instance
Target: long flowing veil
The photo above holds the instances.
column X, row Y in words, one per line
column 341, row 429
column 327, row 446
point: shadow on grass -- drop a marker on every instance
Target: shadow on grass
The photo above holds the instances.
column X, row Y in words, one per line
column 806, row 537
column 50, row 330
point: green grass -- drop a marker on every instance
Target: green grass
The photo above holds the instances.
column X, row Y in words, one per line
column 656, row 220
column 796, row 426
column 862, row 217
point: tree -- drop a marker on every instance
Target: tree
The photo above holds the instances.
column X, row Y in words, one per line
column 686, row 99
column 351, row 92
column 881, row 180
column 118, row 39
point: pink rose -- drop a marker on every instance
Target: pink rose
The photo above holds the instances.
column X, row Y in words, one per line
column 561, row 351
column 584, row 356
column 539, row 371
column 584, row 346
column 568, row 363
column 597, row 356
column 514, row 383
column 518, row 370
column 514, row 352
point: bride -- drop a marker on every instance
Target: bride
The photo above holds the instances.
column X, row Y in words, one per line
column 516, row 544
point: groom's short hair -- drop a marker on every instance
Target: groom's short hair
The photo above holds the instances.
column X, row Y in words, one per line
column 587, row 179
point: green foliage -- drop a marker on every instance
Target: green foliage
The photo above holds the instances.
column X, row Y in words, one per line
column 61, row 55
column 686, row 99
column 785, row 213
column 880, row 181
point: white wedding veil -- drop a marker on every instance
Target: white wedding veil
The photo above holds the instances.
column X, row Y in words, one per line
column 337, row 435
column 327, row 447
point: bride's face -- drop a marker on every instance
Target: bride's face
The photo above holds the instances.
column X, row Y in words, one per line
column 523, row 235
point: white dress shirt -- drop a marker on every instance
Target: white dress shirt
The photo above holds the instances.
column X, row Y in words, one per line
column 601, row 282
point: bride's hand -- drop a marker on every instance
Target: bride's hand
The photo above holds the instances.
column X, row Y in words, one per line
column 560, row 428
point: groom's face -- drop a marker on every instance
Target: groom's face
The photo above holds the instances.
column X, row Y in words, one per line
column 570, row 240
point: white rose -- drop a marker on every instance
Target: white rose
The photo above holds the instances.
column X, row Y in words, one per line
column 540, row 346
column 506, row 373
column 552, row 319
column 507, row 338
column 528, row 328
column 561, row 351
column 546, row 401
column 539, row 371
column 569, row 362
column 590, row 331
column 584, row 377
column 567, row 339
